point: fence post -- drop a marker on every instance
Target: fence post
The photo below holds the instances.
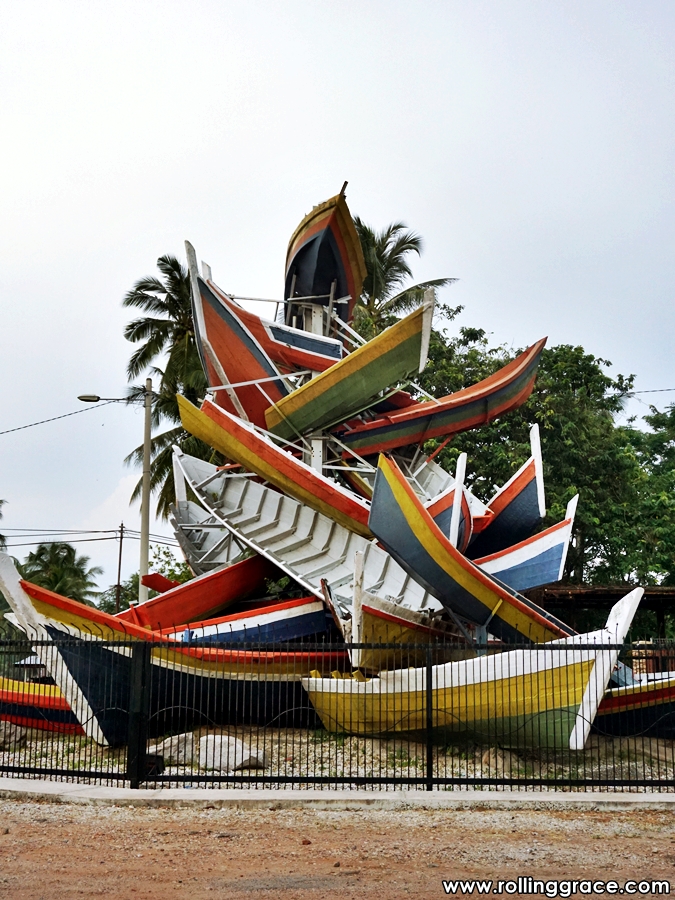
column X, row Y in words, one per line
column 430, row 719
column 139, row 708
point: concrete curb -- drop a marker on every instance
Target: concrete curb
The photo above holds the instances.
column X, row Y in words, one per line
column 27, row 790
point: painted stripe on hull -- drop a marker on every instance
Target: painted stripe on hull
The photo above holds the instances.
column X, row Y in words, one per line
column 41, row 706
column 258, row 454
column 352, row 384
column 289, row 348
column 541, row 569
column 406, row 530
column 469, row 408
column 241, row 357
column 288, row 629
column 40, row 724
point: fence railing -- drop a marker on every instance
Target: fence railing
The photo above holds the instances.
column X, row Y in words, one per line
column 382, row 716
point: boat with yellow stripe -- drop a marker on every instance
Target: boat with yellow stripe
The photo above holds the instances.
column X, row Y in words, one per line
column 258, row 454
column 357, row 381
column 407, row 531
column 543, row 697
column 324, row 261
column 89, row 654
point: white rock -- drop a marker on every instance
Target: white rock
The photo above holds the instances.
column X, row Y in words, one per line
column 176, row 750
column 11, row 736
column 227, row 754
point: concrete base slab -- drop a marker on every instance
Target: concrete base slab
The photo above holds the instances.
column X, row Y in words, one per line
column 24, row 789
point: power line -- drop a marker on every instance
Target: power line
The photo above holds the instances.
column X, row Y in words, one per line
column 56, row 418
column 652, row 391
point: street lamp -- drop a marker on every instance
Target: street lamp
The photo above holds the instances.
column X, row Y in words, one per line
column 145, row 490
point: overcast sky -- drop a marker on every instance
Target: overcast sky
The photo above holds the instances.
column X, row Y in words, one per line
column 530, row 143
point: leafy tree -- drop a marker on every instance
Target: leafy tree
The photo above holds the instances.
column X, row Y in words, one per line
column 162, row 560
column 166, row 331
column 166, row 563
column 58, row 568
column 107, row 601
column 618, row 535
column 384, row 296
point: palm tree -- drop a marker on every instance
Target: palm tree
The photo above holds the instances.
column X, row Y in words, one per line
column 166, row 330
column 3, row 539
column 58, row 568
column 383, row 295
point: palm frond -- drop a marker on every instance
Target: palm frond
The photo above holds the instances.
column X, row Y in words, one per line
column 413, row 296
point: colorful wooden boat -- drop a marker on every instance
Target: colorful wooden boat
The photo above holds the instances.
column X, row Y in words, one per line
column 238, row 441
column 355, row 383
column 290, row 349
column 645, row 708
column 202, row 597
column 518, row 508
column 544, row 697
column 325, row 258
column 469, row 408
column 231, row 355
column 189, row 684
column 535, row 561
column 40, row 706
column 286, row 620
column 406, row 530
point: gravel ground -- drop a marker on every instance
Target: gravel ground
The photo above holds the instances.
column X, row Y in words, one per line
column 49, row 851
column 301, row 752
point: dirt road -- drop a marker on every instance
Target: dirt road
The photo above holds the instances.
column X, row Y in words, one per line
column 48, row 852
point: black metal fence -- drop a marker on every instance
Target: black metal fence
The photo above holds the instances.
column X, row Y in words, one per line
column 381, row 716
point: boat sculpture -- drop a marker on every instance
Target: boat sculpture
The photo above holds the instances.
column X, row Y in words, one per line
column 518, row 508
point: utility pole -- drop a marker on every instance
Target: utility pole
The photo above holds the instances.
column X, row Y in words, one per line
column 145, row 495
column 119, row 571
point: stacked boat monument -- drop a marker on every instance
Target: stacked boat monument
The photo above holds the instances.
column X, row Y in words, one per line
column 397, row 565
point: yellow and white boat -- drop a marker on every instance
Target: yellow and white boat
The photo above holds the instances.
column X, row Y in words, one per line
column 547, row 696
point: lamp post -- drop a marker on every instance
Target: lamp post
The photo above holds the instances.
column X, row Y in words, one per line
column 145, row 487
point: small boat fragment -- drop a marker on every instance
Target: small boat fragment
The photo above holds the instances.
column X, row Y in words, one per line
column 242, row 377
column 202, row 597
column 518, row 508
column 286, row 620
column 535, row 561
column 290, row 349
